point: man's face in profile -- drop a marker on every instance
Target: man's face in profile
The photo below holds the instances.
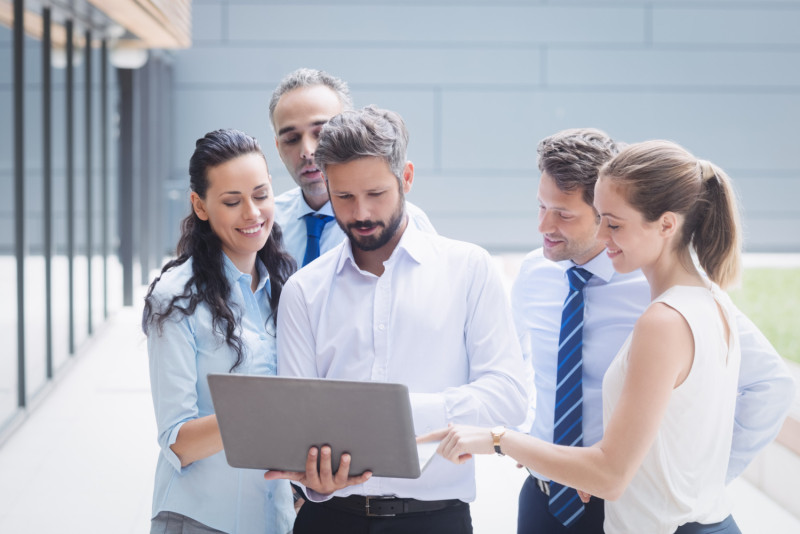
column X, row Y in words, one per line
column 567, row 223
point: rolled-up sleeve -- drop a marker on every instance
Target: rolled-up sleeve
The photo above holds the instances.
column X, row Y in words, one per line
column 766, row 392
column 173, row 378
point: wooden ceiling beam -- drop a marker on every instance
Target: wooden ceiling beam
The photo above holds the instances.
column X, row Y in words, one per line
column 151, row 20
column 156, row 23
column 34, row 26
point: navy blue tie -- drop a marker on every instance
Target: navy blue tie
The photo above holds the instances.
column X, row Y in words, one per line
column 565, row 504
column 314, row 225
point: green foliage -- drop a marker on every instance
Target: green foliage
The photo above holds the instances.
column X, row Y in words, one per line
column 770, row 297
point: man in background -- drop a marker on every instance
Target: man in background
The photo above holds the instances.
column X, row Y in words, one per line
column 392, row 303
column 301, row 104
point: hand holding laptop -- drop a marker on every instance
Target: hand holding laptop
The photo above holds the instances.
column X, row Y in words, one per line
column 324, row 480
column 351, row 430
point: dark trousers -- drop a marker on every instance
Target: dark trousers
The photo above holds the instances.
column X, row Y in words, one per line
column 534, row 516
column 727, row 526
column 314, row 518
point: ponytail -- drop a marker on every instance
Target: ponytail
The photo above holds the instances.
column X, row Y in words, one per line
column 717, row 236
column 661, row 176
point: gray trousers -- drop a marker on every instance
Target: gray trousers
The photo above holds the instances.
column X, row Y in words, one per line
column 172, row 523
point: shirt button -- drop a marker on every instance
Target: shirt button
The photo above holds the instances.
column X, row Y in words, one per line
column 381, row 327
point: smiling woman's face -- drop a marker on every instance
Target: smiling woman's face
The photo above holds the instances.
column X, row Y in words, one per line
column 239, row 206
column 631, row 242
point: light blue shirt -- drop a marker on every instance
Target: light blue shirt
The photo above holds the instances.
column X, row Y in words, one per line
column 182, row 354
column 290, row 207
column 613, row 303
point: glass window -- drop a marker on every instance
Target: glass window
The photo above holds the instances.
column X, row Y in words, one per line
column 35, row 293
column 60, row 273
column 8, row 269
column 80, row 265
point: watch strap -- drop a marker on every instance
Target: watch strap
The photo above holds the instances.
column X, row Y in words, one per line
column 497, row 433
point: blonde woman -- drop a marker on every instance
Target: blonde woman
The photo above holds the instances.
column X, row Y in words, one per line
column 669, row 395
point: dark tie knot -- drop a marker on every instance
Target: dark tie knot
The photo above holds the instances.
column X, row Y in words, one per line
column 578, row 278
column 315, row 223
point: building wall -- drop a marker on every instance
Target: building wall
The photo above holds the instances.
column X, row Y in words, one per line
column 74, row 306
column 480, row 82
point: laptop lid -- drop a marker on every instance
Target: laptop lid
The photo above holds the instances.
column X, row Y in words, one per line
column 270, row 422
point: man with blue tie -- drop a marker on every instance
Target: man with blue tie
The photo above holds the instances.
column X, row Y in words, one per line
column 392, row 303
column 573, row 312
column 301, row 104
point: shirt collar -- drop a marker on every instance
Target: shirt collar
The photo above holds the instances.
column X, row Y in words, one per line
column 411, row 244
column 600, row 266
column 263, row 277
column 235, row 276
column 305, row 209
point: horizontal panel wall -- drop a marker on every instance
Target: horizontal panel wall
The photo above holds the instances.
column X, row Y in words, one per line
column 248, row 65
column 737, row 23
column 399, row 22
column 480, row 82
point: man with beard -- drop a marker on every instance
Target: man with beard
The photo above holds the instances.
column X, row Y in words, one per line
column 395, row 304
column 301, row 104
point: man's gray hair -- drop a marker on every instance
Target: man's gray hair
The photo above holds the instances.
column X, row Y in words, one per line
column 363, row 133
column 310, row 78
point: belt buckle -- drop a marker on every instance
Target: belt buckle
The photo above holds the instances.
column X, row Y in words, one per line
column 370, row 514
column 544, row 486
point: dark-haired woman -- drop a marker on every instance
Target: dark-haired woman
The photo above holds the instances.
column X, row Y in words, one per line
column 212, row 310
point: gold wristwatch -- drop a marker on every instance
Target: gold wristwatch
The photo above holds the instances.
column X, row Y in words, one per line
column 497, row 433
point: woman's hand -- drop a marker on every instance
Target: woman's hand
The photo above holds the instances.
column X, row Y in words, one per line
column 460, row 442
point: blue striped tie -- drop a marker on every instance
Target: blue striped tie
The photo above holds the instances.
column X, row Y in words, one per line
column 565, row 504
column 314, row 225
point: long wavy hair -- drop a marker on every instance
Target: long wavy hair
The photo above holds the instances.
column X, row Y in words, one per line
column 208, row 283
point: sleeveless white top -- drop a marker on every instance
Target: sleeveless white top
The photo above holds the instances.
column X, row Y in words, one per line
column 682, row 478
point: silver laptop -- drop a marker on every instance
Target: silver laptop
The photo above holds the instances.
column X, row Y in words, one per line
column 270, row 422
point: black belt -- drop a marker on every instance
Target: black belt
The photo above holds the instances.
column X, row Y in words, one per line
column 543, row 485
column 387, row 506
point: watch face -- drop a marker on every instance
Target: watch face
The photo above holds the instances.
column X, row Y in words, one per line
column 497, row 433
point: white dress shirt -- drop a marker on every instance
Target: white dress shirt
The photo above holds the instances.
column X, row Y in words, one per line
column 291, row 207
column 613, row 302
column 437, row 320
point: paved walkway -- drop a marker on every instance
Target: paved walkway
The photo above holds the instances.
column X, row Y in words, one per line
column 83, row 461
